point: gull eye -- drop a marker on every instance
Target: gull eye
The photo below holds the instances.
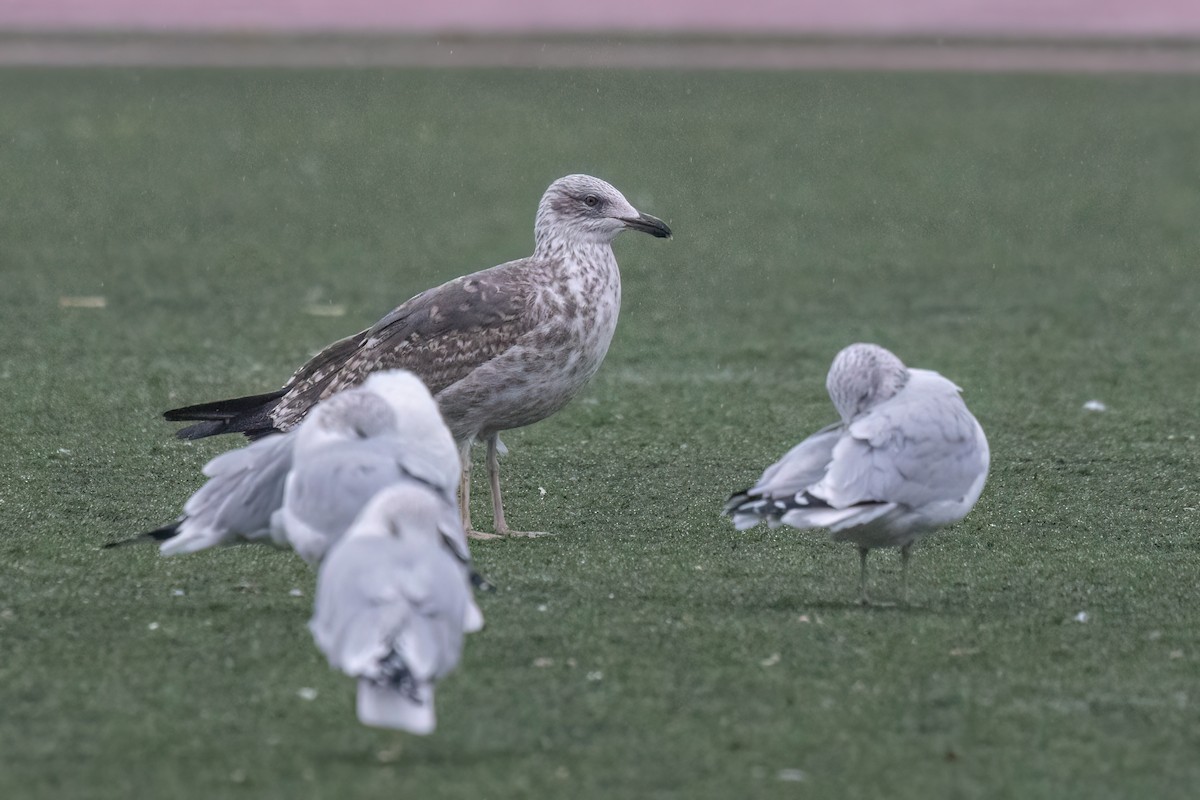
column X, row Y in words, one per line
column 591, row 201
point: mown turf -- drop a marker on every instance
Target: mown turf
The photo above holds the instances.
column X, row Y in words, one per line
column 1034, row 238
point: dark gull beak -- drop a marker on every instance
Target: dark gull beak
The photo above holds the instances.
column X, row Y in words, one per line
column 648, row 224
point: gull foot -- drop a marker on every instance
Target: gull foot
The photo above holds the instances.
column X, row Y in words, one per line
column 473, row 534
column 524, row 534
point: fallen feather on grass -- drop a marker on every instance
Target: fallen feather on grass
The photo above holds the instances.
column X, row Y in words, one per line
column 83, row 302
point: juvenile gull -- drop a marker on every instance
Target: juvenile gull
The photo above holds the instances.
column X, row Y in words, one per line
column 499, row 349
column 303, row 489
column 392, row 605
column 907, row 458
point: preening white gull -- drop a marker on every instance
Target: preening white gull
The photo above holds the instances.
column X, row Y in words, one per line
column 303, row 489
column 906, row 459
column 393, row 602
column 499, row 349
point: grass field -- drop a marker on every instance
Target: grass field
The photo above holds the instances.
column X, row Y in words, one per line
column 1035, row 239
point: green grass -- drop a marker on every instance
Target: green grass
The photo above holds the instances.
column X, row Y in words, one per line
column 1033, row 238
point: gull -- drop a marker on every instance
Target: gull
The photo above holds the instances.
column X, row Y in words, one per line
column 906, row 459
column 500, row 349
column 392, row 605
column 303, row 489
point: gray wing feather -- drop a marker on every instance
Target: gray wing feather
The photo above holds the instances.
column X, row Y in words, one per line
column 918, row 448
column 326, row 491
column 375, row 595
column 441, row 335
column 801, row 467
column 244, row 488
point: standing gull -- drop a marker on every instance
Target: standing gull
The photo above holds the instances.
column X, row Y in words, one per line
column 303, row 489
column 392, row 605
column 907, row 458
column 499, row 349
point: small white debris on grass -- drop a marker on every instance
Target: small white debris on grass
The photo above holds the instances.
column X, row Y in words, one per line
column 595, row 675
column 307, row 693
column 1082, row 616
column 770, row 660
column 792, row 775
column 93, row 301
column 803, row 618
column 964, row 651
column 1094, row 405
column 543, row 662
column 152, row 626
column 296, row 593
column 542, row 492
column 177, row 592
column 62, row 451
column 327, row 310
column 1175, row 654
column 542, row 607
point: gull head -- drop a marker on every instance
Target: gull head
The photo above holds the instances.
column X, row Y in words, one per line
column 406, row 394
column 863, row 376
column 421, row 431
column 405, row 511
column 580, row 208
column 346, row 416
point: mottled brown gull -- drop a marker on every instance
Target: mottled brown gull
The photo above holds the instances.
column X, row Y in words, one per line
column 906, row 459
column 500, row 349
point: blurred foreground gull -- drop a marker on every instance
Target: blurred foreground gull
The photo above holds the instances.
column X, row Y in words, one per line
column 393, row 602
column 907, row 458
column 500, row 349
column 303, row 489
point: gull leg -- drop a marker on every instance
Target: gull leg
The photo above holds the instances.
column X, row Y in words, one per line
column 862, row 577
column 493, row 465
column 464, row 493
column 904, row 553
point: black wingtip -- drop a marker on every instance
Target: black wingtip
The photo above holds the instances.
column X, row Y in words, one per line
column 735, row 500
column 162, row 534
column 481, row 583
column 250, row 415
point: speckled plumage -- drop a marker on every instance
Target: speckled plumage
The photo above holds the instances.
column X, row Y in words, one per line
column 500, row 349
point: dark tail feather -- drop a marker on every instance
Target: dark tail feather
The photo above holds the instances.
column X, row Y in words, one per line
column 167, row 531
column 249, row 415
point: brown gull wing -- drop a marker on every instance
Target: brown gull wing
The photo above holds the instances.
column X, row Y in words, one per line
column 441, row 335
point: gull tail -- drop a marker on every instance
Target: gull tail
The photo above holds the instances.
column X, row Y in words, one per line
column 408, row 708
column 801, row 510
column 168, row 531
column 747, row 510
column 249, row 415
column 804, row 510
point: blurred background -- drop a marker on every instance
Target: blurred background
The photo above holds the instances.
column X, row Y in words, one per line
column 1101, row 18
column 232, row 32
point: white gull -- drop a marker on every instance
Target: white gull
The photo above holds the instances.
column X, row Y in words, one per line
column 304, row 488
column 906, row 459
column 392, row 605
